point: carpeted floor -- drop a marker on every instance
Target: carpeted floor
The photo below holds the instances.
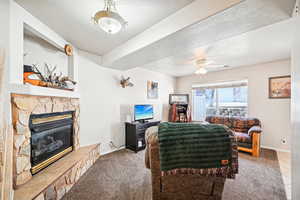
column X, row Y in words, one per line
column 123, row 176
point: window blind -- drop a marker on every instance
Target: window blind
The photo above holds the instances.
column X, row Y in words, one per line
column 228, row 84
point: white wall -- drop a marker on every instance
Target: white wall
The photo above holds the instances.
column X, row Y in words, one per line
column 39, row 52
column 295, row 107
column 104, row 104
column 273, row 113
column 5, row 134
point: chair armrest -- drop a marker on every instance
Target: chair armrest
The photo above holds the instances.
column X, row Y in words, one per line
column 254, row 129
column 151, row 137
column 147, row 159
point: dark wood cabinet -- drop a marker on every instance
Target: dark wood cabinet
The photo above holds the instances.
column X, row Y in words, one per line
column 135, row 134
column 180, row 113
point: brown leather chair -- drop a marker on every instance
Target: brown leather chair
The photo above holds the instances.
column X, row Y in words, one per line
column 246, row 130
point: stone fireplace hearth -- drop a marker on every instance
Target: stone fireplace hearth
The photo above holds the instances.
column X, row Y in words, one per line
column 23, row 106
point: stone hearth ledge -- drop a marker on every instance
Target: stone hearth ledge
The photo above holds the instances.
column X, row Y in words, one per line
column 57, row 179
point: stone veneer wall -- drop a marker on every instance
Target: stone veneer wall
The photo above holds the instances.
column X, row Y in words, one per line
column 22, row 107
column 62, row 185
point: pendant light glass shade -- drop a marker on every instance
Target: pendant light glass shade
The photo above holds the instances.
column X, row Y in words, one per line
column 109, row 21
column 201, row 70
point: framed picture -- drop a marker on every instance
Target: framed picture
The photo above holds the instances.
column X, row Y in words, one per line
column 280, row 87
column 152, row 90
column 178, row 99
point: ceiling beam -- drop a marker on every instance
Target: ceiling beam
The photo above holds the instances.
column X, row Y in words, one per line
column 189, row 15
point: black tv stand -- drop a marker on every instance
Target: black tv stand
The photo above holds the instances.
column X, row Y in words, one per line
column 142, row 121
column 135, row 134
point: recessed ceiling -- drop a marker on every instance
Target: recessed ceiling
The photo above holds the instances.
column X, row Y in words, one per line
column 266, row 44
column 72, row 19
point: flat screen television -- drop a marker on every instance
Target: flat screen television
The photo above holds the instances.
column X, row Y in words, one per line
column 143, row 112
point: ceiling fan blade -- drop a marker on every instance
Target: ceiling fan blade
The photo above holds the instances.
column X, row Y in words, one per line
column 216, row 66
column 187, row 62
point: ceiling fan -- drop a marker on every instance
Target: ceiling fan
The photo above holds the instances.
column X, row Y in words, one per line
column 203, row 65
column 203, row 62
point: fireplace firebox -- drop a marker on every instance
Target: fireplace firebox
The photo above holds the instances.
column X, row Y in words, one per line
column 51, row 138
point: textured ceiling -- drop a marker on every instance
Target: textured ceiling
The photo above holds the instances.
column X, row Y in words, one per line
column 244, row 17
column 251, row 32
column 72, row 19
column 262, row 45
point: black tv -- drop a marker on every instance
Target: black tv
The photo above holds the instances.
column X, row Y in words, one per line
column 143, row 112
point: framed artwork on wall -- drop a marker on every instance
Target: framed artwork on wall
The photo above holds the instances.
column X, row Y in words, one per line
column 178, row 99
column 152, row 90
column 280, row 87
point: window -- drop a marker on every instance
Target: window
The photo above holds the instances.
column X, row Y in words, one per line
column 226, row 99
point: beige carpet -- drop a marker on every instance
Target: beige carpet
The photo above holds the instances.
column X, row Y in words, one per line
column 122, row 176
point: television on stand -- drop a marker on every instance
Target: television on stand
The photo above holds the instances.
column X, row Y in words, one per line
column 135, row 131
column 142, row 113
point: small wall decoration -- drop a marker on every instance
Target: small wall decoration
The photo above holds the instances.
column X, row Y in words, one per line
column 125, row 82
column 152, row 90
column 280, row 87
column 68, row 50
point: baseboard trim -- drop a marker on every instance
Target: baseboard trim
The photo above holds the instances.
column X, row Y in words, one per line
column 276, row 149
column 114, row 150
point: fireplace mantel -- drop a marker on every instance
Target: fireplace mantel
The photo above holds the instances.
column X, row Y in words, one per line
column 42, row 91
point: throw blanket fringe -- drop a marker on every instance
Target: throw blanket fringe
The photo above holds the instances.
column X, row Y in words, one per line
column 224, row 172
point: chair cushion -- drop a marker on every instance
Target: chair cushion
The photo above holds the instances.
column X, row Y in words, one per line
column 243, row 137
column 237, row 124
column 227, row 121
column 244, row 124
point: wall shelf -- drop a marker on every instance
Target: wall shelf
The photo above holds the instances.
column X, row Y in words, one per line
column 24, row 24
column 41, row 91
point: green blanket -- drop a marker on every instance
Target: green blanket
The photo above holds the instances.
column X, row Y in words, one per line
column 190, row 145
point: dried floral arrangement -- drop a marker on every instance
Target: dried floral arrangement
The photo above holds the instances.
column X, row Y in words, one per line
column 52, row 79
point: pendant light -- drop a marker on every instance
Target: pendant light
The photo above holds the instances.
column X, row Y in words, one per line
column 109, row 19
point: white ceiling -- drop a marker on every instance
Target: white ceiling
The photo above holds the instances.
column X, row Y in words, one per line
column 266, row 44
column 251, row 32
column 72, row 19
column 241, row 18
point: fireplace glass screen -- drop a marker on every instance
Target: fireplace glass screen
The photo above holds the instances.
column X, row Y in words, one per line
column 51, row 138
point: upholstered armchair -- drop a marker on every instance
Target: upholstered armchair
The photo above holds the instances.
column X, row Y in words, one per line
column 247, row 132
column 183, row 186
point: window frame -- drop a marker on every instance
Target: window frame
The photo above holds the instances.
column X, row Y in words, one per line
column 215, row 86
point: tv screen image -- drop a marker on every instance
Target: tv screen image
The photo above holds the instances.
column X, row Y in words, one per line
column 142, row 112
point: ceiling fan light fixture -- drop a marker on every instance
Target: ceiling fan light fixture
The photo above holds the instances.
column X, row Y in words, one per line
column 203, row 62
column 108, row 19
column 201, row 70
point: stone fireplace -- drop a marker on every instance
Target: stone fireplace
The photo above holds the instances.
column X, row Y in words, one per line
column 45, row 129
